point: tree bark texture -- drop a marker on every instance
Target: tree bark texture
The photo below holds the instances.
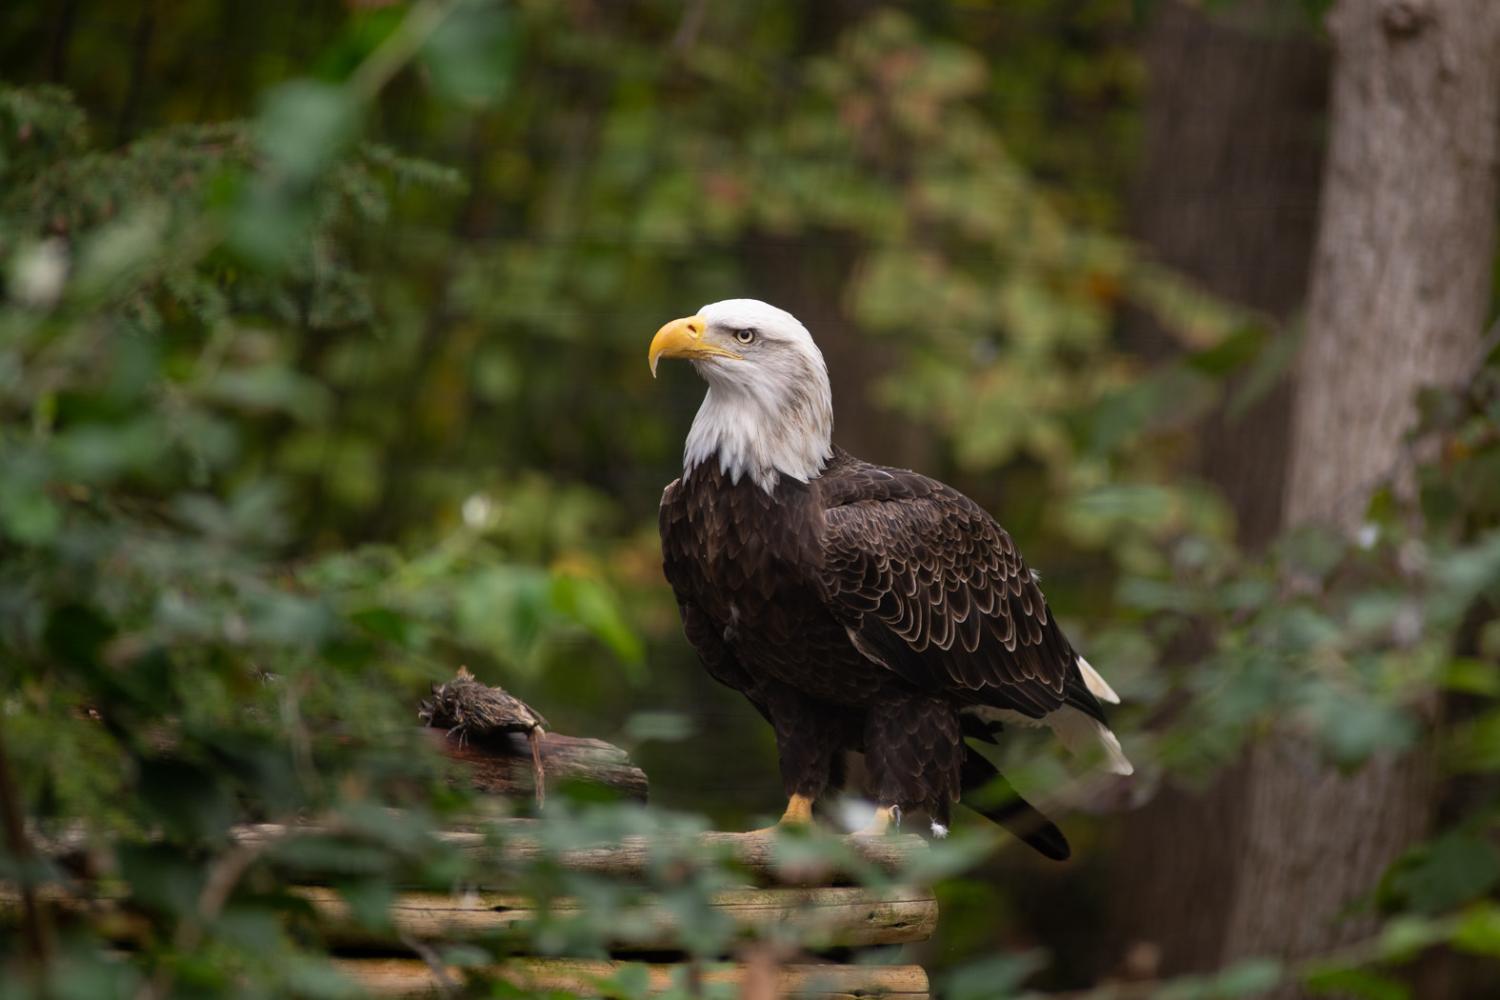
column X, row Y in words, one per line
column 1236, row 105
column 1402, row 274
column 1400, row 284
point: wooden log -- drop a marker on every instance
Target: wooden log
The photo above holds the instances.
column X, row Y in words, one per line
column 407, row 977
column 756, row 854
column 519, row 843
column 819, row 918
column 503, row 743
column 500, row 763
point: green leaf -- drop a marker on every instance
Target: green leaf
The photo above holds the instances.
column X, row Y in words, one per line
column 631, row 981
column 992, row 977
column 1471, row 570
column 1272, row 362
column 27, row 514
column 1246, row 978
column 1478, row 930
column 471, row 56
column 269, row 388
column 1474, row 744
column 386, row 624
column 304, row 126
column 1353, row 725
column 120, row 252
column 1231, row 353
column 369, row 901
column 98, row 453
column 1453, row 869
column 1356, row 982
column 1403, row 937
column 593, row 605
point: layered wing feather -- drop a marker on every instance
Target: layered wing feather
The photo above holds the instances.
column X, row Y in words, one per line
column 929, row 585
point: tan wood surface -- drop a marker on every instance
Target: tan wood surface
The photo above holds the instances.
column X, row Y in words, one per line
column 404, row 977
column 820, row 918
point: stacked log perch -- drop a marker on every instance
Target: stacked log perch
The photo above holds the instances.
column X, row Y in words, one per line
column 502, row 748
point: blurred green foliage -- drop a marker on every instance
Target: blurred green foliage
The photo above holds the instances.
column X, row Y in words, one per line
column 321, row 374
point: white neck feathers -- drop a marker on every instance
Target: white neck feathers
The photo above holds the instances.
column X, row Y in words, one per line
column 764, row 429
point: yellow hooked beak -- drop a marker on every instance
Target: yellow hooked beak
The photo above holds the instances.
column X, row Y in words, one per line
column 683, row 338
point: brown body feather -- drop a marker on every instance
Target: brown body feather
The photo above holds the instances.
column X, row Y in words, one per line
column 864, row 610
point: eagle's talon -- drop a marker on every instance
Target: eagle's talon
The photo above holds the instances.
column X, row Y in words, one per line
column 887, row 819
column 798, row 813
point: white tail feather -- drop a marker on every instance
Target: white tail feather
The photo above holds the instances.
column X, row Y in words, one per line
column 1096, row 684
column 1080, row 733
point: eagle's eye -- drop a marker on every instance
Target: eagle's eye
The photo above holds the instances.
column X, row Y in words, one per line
column 746, row 336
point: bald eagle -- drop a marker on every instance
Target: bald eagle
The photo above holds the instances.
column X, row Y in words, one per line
column 858, row 607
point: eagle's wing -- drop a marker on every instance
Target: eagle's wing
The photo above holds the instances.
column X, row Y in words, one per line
column 931, row 587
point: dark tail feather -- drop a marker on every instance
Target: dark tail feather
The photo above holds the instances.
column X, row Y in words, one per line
column 986, row 791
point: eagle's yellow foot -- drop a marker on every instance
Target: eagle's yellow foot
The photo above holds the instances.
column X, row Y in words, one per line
column 885, row 818
column 798, row 813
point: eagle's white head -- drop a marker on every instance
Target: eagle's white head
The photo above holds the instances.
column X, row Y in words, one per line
column 768, row 411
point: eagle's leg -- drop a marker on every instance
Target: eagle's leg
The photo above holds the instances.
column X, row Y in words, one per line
column 808, row 741
column 914, row 751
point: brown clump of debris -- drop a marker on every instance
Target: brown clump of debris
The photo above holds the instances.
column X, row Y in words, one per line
column 470, row 709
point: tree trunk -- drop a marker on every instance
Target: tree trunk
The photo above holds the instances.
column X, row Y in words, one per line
column 1235, row 110
column 1400, row 284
